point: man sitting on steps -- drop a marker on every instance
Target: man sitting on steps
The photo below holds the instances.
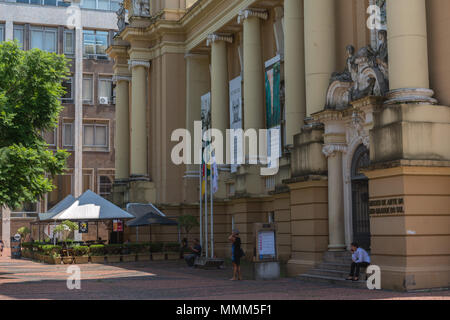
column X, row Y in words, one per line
column 360, row 259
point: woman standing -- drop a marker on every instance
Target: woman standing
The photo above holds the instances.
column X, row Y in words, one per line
column 236, row 253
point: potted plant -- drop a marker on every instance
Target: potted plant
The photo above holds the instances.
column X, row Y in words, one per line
column 128, row 252
column 52, row 254
column 156, row 249
column 172, row 250
column 27, row 250
column 143, row 252
column 81, row 254
column 113, row 252
column 97, row 253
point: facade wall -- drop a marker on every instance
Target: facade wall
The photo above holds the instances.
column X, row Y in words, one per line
column 312, row 198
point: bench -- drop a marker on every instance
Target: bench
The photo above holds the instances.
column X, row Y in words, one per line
column 208, row 263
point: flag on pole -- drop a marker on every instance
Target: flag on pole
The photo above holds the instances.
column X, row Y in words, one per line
column 215, row 175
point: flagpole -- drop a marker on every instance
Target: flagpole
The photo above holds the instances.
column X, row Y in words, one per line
column 212, row 210
column 201, row 205
column 206, row 210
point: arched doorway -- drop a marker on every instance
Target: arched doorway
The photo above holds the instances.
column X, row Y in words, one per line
column 360, row 198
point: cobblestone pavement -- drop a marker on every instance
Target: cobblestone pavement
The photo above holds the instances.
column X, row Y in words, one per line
column 24, row 279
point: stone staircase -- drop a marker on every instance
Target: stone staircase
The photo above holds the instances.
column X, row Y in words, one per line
column 335, row 269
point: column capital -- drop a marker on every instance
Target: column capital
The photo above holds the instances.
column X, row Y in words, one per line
column 252, row 12
column 330, row 150
column 213, row 37
column 118, row 77
column 138, row 63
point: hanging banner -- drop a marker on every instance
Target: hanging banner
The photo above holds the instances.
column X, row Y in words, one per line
column 206, row 111
column 83, row 227
column 273, row 86
column 273, row 109
column 117, row 226
column 236, row 122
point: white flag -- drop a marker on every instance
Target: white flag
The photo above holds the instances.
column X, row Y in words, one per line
column 214, row 175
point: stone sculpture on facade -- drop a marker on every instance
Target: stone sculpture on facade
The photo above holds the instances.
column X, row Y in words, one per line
column 121, row 17
column 140, row 8
column 365, row 74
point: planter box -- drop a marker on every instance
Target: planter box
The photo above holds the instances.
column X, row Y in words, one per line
column 143, row 257
column 67, row 260
column 112, row 259
column 158, row 256
column 81, row 259
column 129, row 258
column 98, row 259
column 173, row 256
column 51, row 260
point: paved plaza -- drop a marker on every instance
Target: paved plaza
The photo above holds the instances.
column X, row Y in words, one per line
column 24, row 279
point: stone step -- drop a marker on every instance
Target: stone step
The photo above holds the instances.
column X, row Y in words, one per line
column 334, row 273
column 335, row 266
column 361, row 284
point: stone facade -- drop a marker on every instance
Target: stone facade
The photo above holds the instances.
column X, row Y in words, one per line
column 359, row 146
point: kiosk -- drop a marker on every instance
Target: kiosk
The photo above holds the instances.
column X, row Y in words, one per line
column 266, row 264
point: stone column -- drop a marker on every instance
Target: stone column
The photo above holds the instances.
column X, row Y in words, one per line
column 253, row 68
column 122, row 136
column 408, row 52
column 294, row 67
column 138, row 130
column 197, row 84
column 320, row 49
column 6, row 230
column 219, row 81
column 336, row 222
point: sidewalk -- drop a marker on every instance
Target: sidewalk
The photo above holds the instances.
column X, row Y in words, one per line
column 24, row 279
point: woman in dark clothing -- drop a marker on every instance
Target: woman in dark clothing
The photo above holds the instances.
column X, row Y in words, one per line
column 236, row 253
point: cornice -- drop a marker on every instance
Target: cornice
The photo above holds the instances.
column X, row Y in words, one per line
column 252, row 12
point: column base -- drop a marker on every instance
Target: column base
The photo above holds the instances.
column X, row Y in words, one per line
column 337, row 247
column 411, row 95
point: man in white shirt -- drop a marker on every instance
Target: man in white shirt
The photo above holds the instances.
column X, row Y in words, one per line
column 360, row 258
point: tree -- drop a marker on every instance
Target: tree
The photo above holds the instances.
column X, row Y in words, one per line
column 187, row 222
column 66, row 228
column 30, row 92
column 23, row 231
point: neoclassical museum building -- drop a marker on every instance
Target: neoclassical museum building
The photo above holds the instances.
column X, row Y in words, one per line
column 360, row 90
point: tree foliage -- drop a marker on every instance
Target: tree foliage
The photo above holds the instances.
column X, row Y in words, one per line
column 187, row 222
column 30, row 92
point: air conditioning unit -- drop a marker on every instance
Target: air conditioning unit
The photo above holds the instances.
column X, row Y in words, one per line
column 103, row 100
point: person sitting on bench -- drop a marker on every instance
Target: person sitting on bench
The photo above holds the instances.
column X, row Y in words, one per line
column 360, row 259
column 196, row 252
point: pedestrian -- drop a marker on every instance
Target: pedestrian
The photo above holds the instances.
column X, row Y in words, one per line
column 360, row 258
column 196, row 252
column 236, row 254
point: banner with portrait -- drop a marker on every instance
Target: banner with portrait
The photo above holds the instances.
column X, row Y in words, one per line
column 236, row 150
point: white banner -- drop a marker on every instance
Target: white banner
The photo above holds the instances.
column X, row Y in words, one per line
column 236, row 122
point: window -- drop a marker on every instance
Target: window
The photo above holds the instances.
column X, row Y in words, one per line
column 95, row 135
column 67, row 84
column 68, row 135
column 44, row 38
column 105, row 186
column 88, row 90
column 69, row 42
column 95, row 44
column 59, row 3
column 19, row 34
column 2, row 32
column 105, row 91
column 50, row 137
column 28, row 209
column 110, row 5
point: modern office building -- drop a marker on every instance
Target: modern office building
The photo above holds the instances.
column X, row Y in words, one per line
column 364, row 127
column 86, row 125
